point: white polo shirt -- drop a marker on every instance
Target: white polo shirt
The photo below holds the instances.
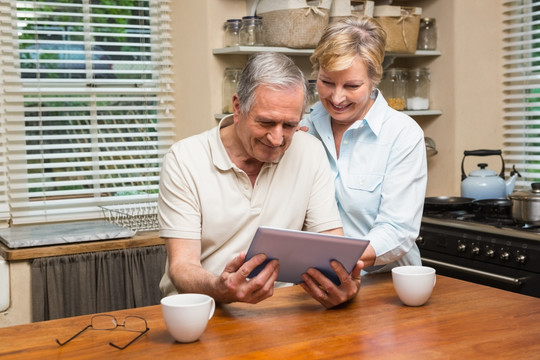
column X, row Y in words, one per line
column 204, row 196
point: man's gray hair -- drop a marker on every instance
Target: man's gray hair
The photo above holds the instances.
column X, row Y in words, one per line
column 271, row 69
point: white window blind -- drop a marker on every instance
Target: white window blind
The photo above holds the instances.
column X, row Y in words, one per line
column 522, row 88
column 86, row 105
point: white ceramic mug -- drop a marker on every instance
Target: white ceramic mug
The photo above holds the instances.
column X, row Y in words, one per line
column 413, row 284
column 186, row 315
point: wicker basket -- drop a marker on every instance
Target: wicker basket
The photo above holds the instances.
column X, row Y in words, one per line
column 299, row 28
column 401, row 25
column 137, row 217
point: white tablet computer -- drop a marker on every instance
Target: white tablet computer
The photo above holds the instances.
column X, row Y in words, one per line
column 299, row 250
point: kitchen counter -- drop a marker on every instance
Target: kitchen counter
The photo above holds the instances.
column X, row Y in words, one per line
column 19, row 262
column 148, row 238
column 461, row 320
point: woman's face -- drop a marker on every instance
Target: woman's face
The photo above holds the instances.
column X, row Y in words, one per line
column 346, row 94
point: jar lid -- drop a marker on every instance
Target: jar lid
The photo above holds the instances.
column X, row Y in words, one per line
column 395, row 70
column 234, row 20
column 533, row 194
column 419, row 71
column 427, row 20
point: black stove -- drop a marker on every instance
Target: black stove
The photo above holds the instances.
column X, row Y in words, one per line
column 491, row 250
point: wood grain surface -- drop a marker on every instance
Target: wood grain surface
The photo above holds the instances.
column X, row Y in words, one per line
column 461, row 320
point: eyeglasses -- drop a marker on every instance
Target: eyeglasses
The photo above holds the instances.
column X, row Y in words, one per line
column 108, row 322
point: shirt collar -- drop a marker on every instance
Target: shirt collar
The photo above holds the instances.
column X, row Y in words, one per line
column 373, row 119
column 219, row 153
column 377, row 112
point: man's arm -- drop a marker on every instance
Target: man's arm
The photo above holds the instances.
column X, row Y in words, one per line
column 188, row 275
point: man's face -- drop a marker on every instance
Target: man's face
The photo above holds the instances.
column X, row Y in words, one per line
column 266, row 131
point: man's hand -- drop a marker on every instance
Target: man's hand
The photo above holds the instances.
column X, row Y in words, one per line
column 234, row 285
column 326, row 292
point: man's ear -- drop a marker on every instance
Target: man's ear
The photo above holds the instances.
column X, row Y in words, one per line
column 236, row 107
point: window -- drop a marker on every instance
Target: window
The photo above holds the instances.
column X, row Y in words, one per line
column 86, row 107
column 522, row 88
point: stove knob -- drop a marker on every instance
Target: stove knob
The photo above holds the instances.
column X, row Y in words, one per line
column 521, row 258
column 490, row 253
column 505, row 256
column 475, row 250
column 461, row 247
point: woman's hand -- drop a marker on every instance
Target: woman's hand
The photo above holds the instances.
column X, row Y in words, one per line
column 326, row 292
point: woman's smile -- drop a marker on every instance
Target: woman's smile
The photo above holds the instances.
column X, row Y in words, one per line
column 346, row 94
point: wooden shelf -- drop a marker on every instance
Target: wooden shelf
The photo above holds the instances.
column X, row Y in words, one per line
column 247, row 50
column 218, row 117
column 422, row 112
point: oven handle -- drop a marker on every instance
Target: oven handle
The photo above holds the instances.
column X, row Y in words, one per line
column 490, row 276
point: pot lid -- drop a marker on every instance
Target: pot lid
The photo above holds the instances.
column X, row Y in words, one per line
column 483, row 172
column 532, row 195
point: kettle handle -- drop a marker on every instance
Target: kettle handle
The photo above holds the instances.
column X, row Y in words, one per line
column 481, row 152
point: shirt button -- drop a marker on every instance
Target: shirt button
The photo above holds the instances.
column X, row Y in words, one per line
column 345, row 142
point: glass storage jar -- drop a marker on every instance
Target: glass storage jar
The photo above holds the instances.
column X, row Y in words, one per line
column 427, row 34
column 231, row 36
column 231, row 76
column 418, row 89
column 394, row 87
column 313, row 94
column 251, row 33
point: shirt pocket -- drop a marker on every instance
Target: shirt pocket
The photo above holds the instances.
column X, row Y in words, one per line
column 362, row 195
column 365, row 182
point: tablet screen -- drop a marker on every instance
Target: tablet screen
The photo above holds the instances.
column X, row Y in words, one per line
column 299, row 250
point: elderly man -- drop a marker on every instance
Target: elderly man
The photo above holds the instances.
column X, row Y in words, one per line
column 253, row 169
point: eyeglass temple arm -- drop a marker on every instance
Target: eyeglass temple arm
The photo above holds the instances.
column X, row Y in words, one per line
column 129, row 343
column 74, row 336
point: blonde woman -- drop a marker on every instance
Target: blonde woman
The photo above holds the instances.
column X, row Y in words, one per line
column 376, row 153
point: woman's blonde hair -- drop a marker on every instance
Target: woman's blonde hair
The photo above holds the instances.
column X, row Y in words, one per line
column 348, row 39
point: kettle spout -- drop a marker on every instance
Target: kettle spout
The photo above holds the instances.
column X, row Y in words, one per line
column 511, row 182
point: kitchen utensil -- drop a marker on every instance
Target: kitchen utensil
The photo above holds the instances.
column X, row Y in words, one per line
column 484, row 183
column 447, row 203
column 431, row 149
column 493, row 208
column 526, row 205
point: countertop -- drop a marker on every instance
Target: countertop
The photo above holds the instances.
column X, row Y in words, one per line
column 461, row 320
column 141, row 239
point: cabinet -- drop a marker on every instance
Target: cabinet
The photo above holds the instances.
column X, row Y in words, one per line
column 389, row 58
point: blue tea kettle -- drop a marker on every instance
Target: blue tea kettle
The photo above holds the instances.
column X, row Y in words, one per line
column 485, row 183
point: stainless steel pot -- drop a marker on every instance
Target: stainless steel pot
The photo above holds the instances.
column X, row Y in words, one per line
column 526, row 205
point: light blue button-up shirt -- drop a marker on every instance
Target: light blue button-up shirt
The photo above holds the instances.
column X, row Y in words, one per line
column 380, row 178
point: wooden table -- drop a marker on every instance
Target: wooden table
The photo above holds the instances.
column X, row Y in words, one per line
column 461, row 321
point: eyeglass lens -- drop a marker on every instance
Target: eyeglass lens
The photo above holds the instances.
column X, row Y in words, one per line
column 109, row 322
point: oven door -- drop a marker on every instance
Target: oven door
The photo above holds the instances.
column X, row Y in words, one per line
column 500, row 277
